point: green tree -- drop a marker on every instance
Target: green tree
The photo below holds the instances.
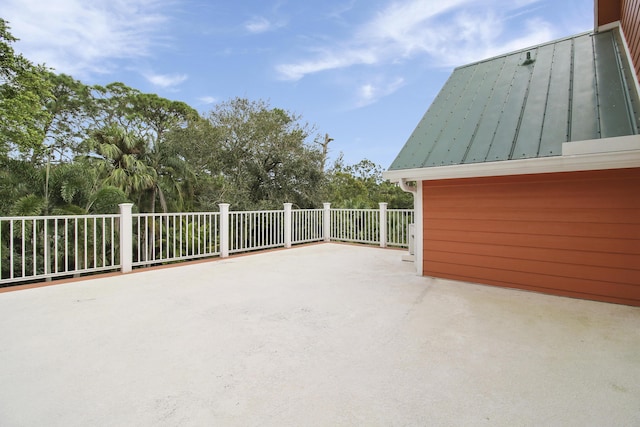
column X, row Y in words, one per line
column 24, row 92
column 154, row 118
column 67, row 124
column 73, row 189
column 19, row 179
column 199, row 144
column 267, row 157
column 361, row 186
column 148, row 119
column 76, row 188
column 119, row 161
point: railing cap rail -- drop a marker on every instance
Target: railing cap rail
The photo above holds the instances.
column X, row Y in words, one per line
column 54, row 217
column 139, row 214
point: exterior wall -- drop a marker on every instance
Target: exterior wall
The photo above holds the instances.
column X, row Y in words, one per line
column 608, row 11
column 630, row 22
column 574, row 234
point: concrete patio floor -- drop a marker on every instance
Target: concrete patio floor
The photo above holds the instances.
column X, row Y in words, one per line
column 320, row 335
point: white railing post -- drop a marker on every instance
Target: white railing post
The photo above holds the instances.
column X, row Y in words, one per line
column 383, row 224
column 287, row 225
column 326, row 222
column 224, row 229
column 126, row 237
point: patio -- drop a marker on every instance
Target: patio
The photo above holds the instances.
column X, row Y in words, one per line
column 323, row 334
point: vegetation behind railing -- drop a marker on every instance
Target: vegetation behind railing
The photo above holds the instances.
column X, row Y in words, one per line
column 40, row 248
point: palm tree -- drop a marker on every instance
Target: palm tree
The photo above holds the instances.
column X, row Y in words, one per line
column 122, row 162
column 174, row 177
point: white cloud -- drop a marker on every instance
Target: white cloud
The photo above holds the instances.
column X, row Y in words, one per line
column 449, row 33
column 405, row 26
column 370, row 92
column 340, row 9
column 258, row 25
column 208, row 100
column 81, row 37
column 327, row 61
column 166, row 80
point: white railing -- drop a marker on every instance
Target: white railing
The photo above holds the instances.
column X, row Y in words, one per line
column 162, row 238
column 40, row 247
column 255, row 230
column 37, row 248
column 355, row 225
column 398, row 221
column 306, row 226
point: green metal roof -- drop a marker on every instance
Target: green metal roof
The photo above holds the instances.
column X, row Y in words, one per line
column 511, row 107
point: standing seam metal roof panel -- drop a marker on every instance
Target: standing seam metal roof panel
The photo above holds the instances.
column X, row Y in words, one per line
column 511, row 111
column 529, row 130
column 486, row 129
column 527, row 103
column 469, row 104
column 584, row 114
column 556, row 120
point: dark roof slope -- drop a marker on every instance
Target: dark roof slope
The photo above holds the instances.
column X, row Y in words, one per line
column 527, row 103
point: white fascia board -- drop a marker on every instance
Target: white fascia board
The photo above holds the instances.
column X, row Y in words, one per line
column 608, row 145
column 564, row 163
column 609, row 26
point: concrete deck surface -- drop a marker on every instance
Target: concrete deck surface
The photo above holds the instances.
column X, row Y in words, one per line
column 322, row 335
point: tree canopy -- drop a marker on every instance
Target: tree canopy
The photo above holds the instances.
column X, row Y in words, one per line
column 66, row 147
column 24, row 93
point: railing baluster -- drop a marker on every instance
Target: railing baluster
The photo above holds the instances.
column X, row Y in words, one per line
column 34, row 239
column 11, row 249
column 95, row 246
column 66, row 244
column 86, row 247
column 23, row 248
column 199, row 234
column 1, row 230
column 45, row 251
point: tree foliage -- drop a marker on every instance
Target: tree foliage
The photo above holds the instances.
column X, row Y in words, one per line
column 69, row 148
column 361, row 186
column 24, row 92
column 251, row 155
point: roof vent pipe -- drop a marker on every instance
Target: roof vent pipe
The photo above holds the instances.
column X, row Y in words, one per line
column 529, row 60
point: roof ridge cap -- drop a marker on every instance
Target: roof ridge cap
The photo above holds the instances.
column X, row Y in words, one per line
column 514, row 52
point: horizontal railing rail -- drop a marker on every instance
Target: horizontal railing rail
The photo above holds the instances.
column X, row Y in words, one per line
column 36, row 248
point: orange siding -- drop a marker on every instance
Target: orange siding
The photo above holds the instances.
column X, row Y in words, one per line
column 608, row 11
column 630, row 20
column 574, row 234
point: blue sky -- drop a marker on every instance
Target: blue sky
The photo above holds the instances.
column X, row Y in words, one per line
column 363, row 71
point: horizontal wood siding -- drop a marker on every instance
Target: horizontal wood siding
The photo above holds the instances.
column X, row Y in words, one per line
column 630, row 21
column 573, row 234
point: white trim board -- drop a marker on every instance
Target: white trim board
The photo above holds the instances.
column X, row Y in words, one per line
column 608, row 145
column 577, row 156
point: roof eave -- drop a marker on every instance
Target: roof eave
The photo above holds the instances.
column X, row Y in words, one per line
column 577, row 156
